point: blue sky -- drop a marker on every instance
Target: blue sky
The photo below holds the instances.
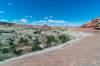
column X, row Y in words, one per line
column 74, row 12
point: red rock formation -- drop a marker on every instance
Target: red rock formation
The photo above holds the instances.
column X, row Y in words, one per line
column 95, row 23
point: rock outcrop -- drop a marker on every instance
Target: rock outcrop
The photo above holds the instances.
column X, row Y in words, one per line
column 95, row 23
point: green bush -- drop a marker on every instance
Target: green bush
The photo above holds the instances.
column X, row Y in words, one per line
column 5, row 50
column 68, row 38
column 37, row 32
column 30, row 37
column 5, row 56
column 49, row 40
column 36, row 45
column 11, row 39
column 23, row 41
column 0, row 45
column 63, row 38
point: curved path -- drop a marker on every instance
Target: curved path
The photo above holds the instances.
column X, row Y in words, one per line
column 85, row 52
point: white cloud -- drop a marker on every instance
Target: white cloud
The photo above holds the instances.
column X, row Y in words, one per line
column 56, row 21
column 29, row 16
column 23, row 20
column 48, row 17
column 40, row 22
column 1, row 12
column 50, row 22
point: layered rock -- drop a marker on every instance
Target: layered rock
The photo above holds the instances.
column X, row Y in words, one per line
column 95, row 23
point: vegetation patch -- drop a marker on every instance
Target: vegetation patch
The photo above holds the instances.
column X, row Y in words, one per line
column 23, row 40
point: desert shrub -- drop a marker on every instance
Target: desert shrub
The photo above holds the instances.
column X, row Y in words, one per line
column 37, row 32
column 30, row 37
column 5, row 56
column 12, row 45
column 49, row 40
column 26, row 42
column 5, row 50
column 35, row 45
column 63, row 38
column 11, row 39
column 68, row 37
column 17, row 52
column 0, row 45
column 23, row 41
column 2, row 58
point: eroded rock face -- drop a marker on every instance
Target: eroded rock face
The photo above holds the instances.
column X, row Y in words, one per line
column 95, row 23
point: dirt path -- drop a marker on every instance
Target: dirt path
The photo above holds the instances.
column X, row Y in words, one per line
column 85, row 52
